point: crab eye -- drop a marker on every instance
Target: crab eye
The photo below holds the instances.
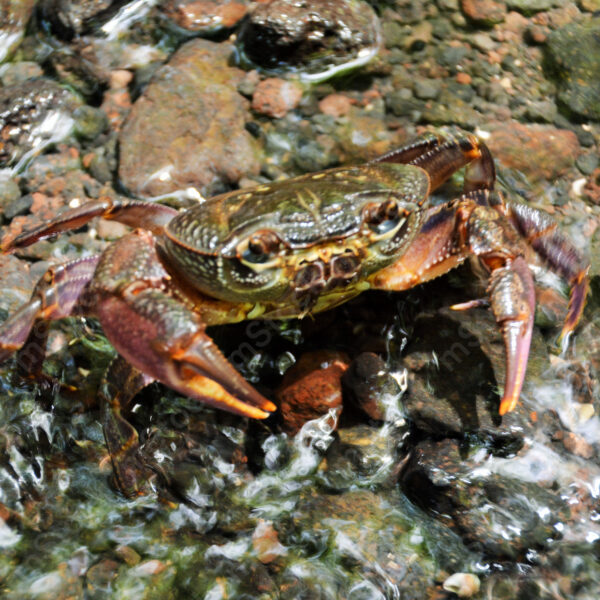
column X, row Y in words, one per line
column 383, row 217
column 261, row 247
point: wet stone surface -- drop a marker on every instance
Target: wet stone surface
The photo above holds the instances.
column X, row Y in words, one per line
column 573, row 53
column 205, row 17
column 386, row 471
column 207, row 152
column 314, row 37
column 31, row 115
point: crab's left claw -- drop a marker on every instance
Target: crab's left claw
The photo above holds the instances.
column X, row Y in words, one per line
column 513, row 304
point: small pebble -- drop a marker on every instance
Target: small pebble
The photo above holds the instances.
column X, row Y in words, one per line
column 464, row 585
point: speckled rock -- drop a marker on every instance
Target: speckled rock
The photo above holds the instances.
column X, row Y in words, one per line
column 573, row 54
column 205, row 17
column 315, row 38
column 539, row 151
column 32, row 115
column 187, row 129
column 275, row 97
column 484, row 12
column 310, row 388
column 69, row 18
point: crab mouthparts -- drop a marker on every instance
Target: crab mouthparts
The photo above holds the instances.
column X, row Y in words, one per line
column 314, row 278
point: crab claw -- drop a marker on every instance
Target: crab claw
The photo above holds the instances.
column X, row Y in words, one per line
column 513, row 304
column 205, row 372
column 165, row 340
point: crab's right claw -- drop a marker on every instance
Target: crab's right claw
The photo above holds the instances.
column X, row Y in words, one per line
column 164, row 339
column 512, row 295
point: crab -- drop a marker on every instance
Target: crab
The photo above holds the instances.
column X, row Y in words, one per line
column 285, row 250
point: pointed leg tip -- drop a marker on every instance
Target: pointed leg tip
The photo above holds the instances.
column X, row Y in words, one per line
column 507, row 405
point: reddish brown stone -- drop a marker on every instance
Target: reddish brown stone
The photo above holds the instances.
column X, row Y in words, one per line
column 592, row 187
column 485, row 12
column 265, row 542
column 335, row 105
column 188, row 127
column 311, row 387
column 539, row 151
column 577, row 445
column 199, row 15
column 275, row 97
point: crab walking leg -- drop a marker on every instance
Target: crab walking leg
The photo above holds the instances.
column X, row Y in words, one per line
column 541, row 231
column 121, row 383
column 442, row 155
column 512, row 296
column 471, row 227
column 135, row 213
column 159, row 333
column 56, row 295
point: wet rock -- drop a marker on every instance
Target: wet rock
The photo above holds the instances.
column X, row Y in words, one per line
column 19, row 206
column 99, row 578
column 589, row 5
column 427, row 89
column 586, row 163
column 275, row 97
column 187, row 129
column 266, row 543
column 205, row 17
column 9, row 192
column 573, row 56
column 315, row 38
column 543, row 111
column 454, row 366
column 576, row 444
column 116, row 102
column 362, row 137
column 402, row 103
column 539, row 151
column 492, row 512
column 33, row 115
column 592, row 187
column 14, row 16
column 529, row 7
column 14, row 73
column 464, row 585
column 335, row 105
column 420, row 35
column 310, row 388
column 60, row 584
column 484, row 12
column 449, row 109
column 363, row 455
column 368, row 385
column 90, row 122
column 17, row 284
column 70, row 18
column 368, row 533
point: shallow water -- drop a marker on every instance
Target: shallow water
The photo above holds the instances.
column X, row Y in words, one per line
column 350, row 506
